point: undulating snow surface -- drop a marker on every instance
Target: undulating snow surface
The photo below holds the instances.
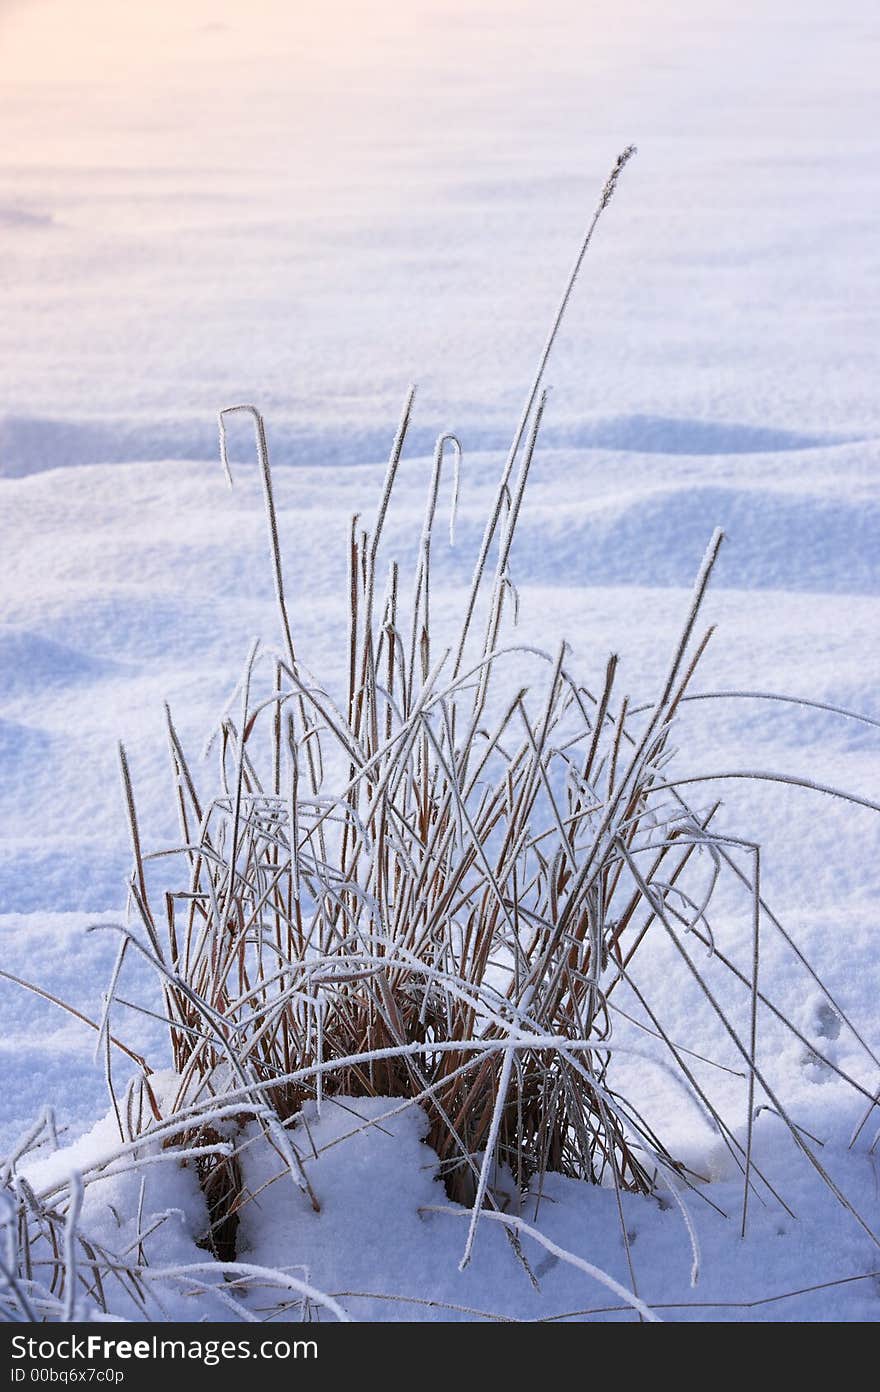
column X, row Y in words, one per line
column 308, row 212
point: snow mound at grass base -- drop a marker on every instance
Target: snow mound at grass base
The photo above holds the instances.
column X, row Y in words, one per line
column 382, row 1250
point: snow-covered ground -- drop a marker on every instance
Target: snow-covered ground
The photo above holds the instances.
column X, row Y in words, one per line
column 308, row 213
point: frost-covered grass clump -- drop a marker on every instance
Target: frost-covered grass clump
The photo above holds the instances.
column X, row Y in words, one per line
column 435, row 886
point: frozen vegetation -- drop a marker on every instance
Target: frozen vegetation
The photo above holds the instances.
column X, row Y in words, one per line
column 494, row 1040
